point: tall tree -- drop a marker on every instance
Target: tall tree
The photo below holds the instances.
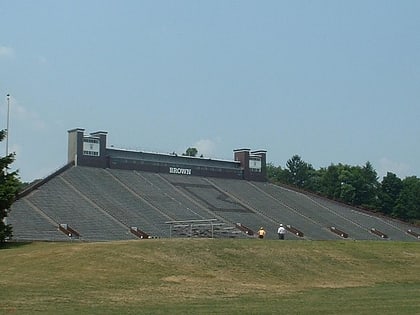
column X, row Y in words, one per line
column 354, row 185
column 330, row 181
column 390, row 190
column 366, row 184
column 9, row 187
column 408, row 203
column 298, row 171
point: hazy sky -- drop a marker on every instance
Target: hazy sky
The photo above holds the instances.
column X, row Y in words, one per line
column 332, row 81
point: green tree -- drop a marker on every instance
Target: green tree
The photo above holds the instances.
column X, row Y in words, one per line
column 336, row 182
column 275, row 174
column 314, row 181
column 191, row 152
column 354, row 185
column 389, row 192
column 298, row 172
column 408, row 202
column 365, row 181
column 347, row 189
column 9, row 187
column 330, row 182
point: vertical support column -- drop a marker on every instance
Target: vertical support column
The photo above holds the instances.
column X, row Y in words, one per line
column 75, row 145
column 262, row 175
column 242, row 155
column 101, row 160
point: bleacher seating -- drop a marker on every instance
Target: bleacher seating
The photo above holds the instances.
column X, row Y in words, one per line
column 28, row 224
column 105, row 204
column 324, row 216
column 158, row 192
column 105, row 192
column 394, row 229
column 62, row 204
column 273, row 208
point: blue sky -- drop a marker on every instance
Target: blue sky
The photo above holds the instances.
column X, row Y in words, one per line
column 331, row 81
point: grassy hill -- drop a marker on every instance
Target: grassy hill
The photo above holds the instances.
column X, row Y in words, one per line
column 206, row 276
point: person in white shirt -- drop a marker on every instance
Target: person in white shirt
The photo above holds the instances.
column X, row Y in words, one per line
column 281, row 231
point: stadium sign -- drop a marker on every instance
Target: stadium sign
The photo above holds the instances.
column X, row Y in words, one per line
column 178, row 170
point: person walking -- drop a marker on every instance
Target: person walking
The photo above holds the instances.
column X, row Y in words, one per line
column 261, row 233
column 281, row 232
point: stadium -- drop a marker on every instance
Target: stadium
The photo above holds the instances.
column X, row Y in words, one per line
column 109, row 194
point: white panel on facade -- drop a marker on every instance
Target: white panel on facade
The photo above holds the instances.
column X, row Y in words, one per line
column 91, row 147
column 255, row 163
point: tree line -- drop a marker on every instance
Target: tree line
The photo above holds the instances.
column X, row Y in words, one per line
column 358, row 186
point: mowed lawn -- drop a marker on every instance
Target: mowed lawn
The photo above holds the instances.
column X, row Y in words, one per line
column 211, row 276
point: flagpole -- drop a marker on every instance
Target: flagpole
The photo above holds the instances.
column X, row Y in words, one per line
column 7, row 128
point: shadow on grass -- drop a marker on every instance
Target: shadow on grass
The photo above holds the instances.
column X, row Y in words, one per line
column 11, row 245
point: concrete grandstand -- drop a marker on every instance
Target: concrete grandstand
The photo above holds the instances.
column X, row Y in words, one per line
column 105, row 194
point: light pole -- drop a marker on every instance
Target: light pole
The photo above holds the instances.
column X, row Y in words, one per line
column 7, row 147
column 7, row 128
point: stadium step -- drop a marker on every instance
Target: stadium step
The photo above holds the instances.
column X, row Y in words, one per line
column 294, row 230
column 415, row 234
column 339, row 232
column 379, row 233
column 139, row 233
column 244, row 229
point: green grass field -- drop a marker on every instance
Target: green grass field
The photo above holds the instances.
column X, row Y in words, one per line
column 206, row 276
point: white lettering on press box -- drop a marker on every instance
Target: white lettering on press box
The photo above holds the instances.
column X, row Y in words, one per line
column 178, row 170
